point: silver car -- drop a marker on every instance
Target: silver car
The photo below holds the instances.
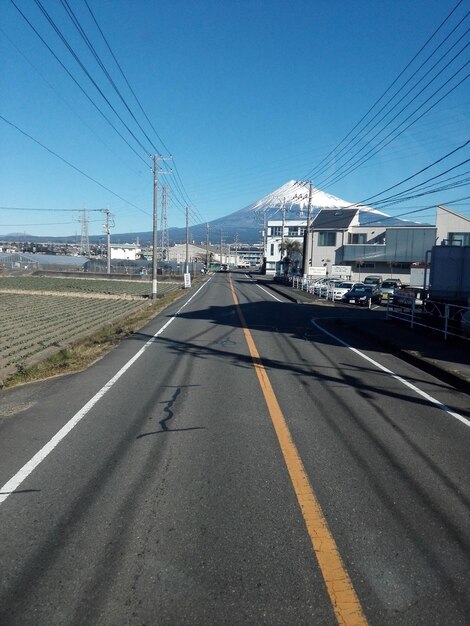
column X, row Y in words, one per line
column 339, row 288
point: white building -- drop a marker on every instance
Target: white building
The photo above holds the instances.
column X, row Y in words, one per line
column 293, row 230
column 452, row 229
column 125, row 251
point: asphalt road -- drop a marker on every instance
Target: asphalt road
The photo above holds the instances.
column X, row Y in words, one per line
column 236, row 462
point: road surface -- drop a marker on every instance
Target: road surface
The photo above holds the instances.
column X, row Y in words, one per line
column 240, row 460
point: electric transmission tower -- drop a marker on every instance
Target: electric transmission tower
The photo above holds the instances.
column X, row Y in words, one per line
column 84, row 239
column 165, row 244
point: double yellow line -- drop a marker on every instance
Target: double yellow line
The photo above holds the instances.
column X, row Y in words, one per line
column 343, row 597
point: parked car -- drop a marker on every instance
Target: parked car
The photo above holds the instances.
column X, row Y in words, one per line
column 339, row 288
column 324, row 288
column 317, row 285
column 361, row 294
column 373, row 280
column 388, row 287
column 330, row 285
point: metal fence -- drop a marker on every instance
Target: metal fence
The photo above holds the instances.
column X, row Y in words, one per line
column 449, row 319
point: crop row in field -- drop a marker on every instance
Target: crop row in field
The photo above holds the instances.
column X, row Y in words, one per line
column 84, row 285
column 30, row 324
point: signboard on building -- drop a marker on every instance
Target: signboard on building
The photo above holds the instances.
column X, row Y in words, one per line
column 317, row 271
column 341, row 271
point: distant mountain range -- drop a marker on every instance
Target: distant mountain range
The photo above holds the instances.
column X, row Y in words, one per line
column 246, row 224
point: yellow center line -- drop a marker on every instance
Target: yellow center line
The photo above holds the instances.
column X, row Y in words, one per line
column 343, row 597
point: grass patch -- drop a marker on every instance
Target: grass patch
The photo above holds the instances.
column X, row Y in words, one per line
column 80, row 354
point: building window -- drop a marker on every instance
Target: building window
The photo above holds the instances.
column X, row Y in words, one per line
column 276, row 231
column 364, row 265
column 459, row 239
column 272, row 249
column 327, row 238
column 293, row 231
column 359, row 238
column 401, row 265
column 302, row 230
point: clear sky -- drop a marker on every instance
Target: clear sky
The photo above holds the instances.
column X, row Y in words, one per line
column 245, row 94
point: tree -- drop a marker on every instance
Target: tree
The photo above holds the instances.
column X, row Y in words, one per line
column 292, row 249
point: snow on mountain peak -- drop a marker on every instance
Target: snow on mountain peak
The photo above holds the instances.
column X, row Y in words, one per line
column 294, row 196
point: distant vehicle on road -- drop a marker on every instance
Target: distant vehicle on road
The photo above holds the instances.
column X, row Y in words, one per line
column 362, row 294
column 224, row 268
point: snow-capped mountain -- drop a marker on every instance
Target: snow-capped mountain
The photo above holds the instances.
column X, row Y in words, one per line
column 294, row 196
column 247, row 224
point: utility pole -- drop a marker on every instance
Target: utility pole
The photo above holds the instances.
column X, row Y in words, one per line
column 307, row 233
column 155, row 222
column 283, row 213
column 265, row 236
column 237, row 242
column 207, row 246
column 187, row 241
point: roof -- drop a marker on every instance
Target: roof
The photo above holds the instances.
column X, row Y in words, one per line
column 341, row 219
column 45, row 259
column 337, row 219
column 373, row 218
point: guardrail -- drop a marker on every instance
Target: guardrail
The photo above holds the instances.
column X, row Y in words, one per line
column 450, row 319
column 304, row 284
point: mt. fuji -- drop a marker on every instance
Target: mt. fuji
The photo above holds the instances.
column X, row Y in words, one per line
column 247, row 224
column 249, row 221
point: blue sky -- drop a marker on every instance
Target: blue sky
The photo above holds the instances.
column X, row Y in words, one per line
column 245, row 94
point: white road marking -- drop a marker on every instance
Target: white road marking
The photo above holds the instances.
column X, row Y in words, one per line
column 14, row 482
column 270, row 294
column 421, row 393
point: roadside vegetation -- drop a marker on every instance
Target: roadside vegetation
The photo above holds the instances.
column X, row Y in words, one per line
column 51, row 326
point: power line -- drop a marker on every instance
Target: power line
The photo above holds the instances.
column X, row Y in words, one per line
column 75, row 56
column 77, row 169
column 378, row 147
column 424, row 169
column 77, row 83
column 92, row 49
column 178, row 182
column 394, row 82
column 125, row 78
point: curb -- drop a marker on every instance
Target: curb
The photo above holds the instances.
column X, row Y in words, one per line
column 283, row 292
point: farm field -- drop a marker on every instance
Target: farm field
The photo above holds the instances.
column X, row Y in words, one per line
column 84, row 285
column 40, row 316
